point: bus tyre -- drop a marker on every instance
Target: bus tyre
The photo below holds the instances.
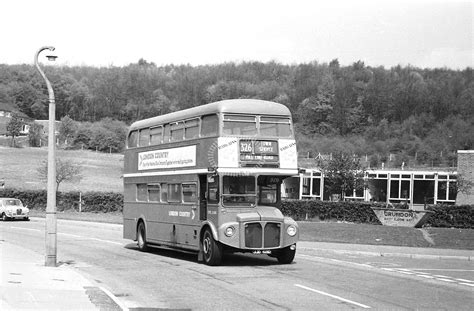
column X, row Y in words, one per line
column 286, row 255
column 141, row 237
column 212, row 250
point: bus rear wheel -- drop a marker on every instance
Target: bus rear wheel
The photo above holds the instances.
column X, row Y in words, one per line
column 286, row 255
column 141, row 237
column 212, row 249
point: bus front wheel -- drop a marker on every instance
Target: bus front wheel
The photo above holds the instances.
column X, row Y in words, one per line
column 212, row 249
column 286, row 255
column 141, row 237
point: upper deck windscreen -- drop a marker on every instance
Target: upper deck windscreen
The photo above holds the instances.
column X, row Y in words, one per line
column 264, row 126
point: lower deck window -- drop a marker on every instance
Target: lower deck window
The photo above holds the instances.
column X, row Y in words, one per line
column 174, row 192
column 189, row 193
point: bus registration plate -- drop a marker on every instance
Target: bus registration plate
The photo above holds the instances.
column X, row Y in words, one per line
column 261, row 252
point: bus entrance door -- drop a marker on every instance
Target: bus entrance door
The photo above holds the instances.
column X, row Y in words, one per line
column 202, row 197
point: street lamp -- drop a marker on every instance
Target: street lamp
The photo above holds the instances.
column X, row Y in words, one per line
column 51, row 223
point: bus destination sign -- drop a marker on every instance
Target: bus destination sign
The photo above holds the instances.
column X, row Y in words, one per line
column 259, row 150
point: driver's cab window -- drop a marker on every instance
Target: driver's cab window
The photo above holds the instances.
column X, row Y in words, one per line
column 238, row 191
column 213, row 189
column 268, row 190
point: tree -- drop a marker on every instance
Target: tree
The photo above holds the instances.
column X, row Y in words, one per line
column 67, row 129
column 66, row 171
column 35, row 134
column 14, row 128
column 342, row 174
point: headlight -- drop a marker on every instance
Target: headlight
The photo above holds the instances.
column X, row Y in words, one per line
column 291, row 230
column 229, row 231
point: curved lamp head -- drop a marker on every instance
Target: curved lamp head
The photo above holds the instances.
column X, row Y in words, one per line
column 51, row 57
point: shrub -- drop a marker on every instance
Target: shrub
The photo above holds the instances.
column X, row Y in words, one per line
column 447, row 216
column 91, row 201
column 359, row 212
column 456, row 216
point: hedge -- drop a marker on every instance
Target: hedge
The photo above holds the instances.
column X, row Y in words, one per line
column 452, row 216
column 447, row 216
column 91, row 201
column 359, row 212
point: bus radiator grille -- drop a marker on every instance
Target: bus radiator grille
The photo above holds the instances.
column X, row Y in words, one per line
column 272, row 235
column 254, row 235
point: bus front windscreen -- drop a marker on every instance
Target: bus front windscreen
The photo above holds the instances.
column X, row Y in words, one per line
column 239, row 191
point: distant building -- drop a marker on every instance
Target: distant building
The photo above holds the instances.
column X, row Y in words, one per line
column 466, row 176
column 414, row 187
column 7, row 111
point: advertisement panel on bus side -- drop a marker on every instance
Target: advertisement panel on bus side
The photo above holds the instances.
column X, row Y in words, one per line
column 167, row 158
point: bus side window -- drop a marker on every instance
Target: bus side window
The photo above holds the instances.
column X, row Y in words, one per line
column 142, row 195
column 177, row 131
column 164, row 193
column 133, row 139
column 209, row 125
column 166, row 134
column 189, row 193
column 174, row 192
column 192, row 129
column 154, row 193
column 144, row 137
column 213, row 189
column 156, row 134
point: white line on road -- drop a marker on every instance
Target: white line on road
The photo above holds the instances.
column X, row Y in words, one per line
column 28, row 229
column 464, row 280
column 454, row 270
column 333, row 296
column 88, row 238
column 71, row 235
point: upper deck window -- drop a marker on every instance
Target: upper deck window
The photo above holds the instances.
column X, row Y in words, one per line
column 209, row 125
column 192, row 129
column 177, row 131
column 144, row 138
column 132, row 139
column 240, row 125
column 156, row 134
column 274, row 126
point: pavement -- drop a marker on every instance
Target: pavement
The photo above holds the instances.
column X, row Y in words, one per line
column 27, row 284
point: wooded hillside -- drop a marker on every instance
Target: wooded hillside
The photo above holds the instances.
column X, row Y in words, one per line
column 420, row 115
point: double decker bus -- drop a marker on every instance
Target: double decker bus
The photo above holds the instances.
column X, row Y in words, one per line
column 207, row 179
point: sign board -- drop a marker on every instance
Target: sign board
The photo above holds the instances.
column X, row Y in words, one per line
column 401, row 217
column 167, row 158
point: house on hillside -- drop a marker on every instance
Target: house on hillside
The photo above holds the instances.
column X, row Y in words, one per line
column 7, row 111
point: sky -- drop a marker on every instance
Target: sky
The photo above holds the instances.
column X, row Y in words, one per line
column 104, row 33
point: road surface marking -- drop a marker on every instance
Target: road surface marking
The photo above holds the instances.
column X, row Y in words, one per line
column 71, row 235
column 27, row 229
column 333, row 296
column 454, row 270
column 313, row 258
column 89, row 238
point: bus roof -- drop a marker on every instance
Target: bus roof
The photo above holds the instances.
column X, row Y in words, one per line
column 244, row 106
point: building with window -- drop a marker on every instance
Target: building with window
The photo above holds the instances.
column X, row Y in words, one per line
column 414, row 187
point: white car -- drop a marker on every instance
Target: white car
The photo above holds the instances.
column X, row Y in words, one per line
column 13, row 209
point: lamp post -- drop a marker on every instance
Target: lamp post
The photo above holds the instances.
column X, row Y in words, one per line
column 51, row 222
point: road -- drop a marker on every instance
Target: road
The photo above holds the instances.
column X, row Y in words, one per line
column 315, row 281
